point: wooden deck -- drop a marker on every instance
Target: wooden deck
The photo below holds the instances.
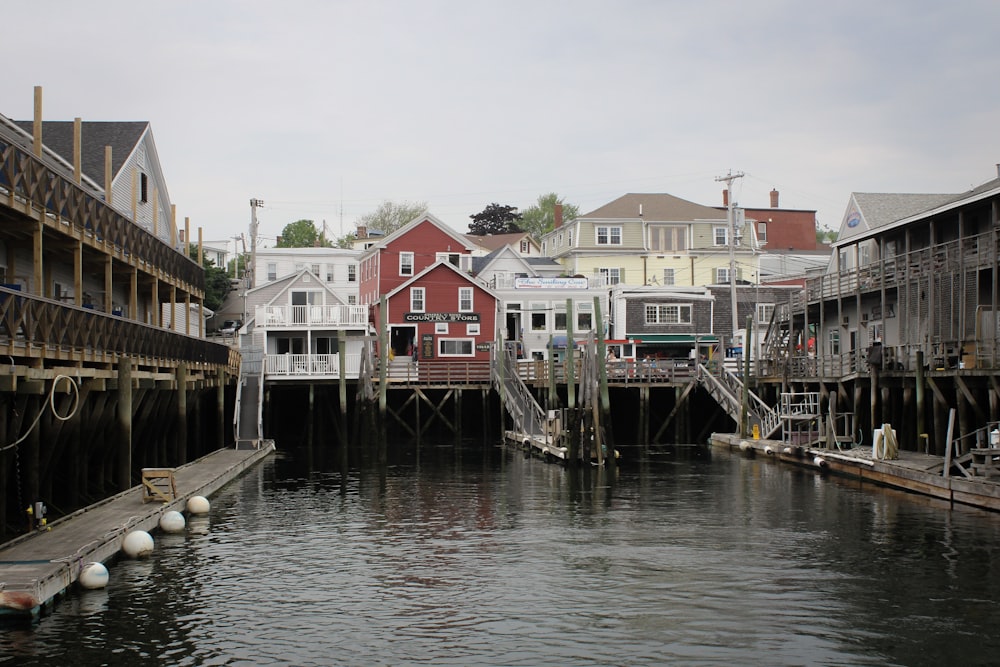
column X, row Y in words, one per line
column 38, row 567
column 912, row 471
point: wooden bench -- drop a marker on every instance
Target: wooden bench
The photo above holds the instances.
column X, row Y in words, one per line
column 158, row 484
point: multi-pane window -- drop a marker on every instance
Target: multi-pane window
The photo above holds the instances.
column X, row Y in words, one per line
column 610, row 276
column 667, row 238
column 721, row 235
column 584, row 316
column 609, row 235
column 465, row 299
column 456, row 347
column 668, row 314
column 669, row 277
column 762, row 232
column 559, row 319
column 721, row 275
column 539, row 317
column 406, row 263
column 352, row 273
column 441, row 327
column 315, row 269
column 417, row 295
column 272, row 271
column 764, row 313
column 525, row 246
column 472, row 329
column 352, row 300
column 834, row 341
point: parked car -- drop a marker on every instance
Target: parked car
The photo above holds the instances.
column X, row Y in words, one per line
column 230, row 327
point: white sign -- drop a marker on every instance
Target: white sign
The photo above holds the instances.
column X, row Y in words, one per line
column 550, row 283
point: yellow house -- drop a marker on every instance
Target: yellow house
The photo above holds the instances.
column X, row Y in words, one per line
column 654, row 239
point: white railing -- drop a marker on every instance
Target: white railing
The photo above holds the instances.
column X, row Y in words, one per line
column 309, row 365
column 277, row 317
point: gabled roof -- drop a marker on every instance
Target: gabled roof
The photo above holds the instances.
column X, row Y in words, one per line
column 405, row 229
column 285, row 283
column 480, row 264
column 654, row 207
column 122, row 136
column 451, row 267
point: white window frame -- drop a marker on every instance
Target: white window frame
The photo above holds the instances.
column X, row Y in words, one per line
column 472, row 329
column 352, row 273
column 465, row 301
column 471, row 342
column 418, row 299
column 610, row 275
column 668, row 313
column 612, row 235
column 762, row 232
column 584, row 316
column 833, row 337
column 720, row 231
column 441, row 328
column 722, row 275
column 403, row 256
column 669, row 276
column 538, row 308
column 764, row 312
column 272, row 271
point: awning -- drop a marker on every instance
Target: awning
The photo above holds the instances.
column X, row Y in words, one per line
column 645, row 339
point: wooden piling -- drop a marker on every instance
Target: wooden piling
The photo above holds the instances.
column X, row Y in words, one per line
column 181, row 434
column 123, row 475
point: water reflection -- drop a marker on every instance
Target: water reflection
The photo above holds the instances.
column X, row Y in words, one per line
column 480, row 556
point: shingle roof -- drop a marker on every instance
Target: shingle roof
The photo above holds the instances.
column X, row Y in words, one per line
column 655, row 207
column 122, row 136
column 880, row 209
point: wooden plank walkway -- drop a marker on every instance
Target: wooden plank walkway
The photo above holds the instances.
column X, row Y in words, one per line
column 38, row 567
column 912, row 471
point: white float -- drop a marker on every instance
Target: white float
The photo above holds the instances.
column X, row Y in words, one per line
column 94, row 575
column 198, row 505
column 137, row 544
column 172, row 522
column 745, row 446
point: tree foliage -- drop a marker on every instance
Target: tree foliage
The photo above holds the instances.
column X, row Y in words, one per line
column 495, row 219
column 302, row 234
column 216, row 280
column 825, row 235
column 390, row 216
column 540, row 218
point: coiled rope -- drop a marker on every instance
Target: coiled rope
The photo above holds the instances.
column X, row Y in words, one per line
column 74, row 388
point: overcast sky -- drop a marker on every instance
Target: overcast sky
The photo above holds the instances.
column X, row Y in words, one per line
column 323, row 109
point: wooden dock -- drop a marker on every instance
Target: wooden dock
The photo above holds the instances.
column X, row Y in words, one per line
column 38, row 567
column 912, row 471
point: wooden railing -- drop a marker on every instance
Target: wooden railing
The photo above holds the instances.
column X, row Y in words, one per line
column 32, row 326
column 329, row 316
column 439, row 372
column 622, row 371
column 311, row 365
column 26, row 180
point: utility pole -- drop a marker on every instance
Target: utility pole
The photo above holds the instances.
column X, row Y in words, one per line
column 731, row 220
column 254, row 205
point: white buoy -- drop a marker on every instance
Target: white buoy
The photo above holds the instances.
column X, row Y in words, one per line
column 137, row 544
column 94, row 575
column 198, row 505
column 820, row 462
column 172, row 522
column 744, row 445
column 769, row 450
column 787, row 450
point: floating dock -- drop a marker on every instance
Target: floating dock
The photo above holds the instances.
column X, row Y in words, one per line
column 38, row 567
column 977, row 483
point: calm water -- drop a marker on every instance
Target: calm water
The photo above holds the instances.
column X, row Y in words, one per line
column 476, row 558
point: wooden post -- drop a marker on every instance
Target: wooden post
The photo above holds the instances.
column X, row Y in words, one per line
column 181, row 436
column 133, row 298
column 108, row 283
column 603, row 395
column 77, row 274
column 173, row 226
column 37, row 124
column 921, row 407
column 570, row 359
column 124, row 402
column 108, row 178
column 77, row 150
column 383, row 356
column 220, row 410
column 551, row 365
column 39, row 286
column 745, row 400
column 342, row 380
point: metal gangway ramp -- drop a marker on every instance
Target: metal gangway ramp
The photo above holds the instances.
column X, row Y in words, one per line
column 727, row 390
column 531, row 425
column 250, row 398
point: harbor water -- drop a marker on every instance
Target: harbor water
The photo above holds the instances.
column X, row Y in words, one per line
column 480, row 556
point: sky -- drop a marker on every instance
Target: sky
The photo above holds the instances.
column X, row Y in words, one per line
column 324, row 109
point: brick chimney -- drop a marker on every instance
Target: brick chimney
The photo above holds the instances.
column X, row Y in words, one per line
column 557, row 212
column 774, row 198
column 725, row 198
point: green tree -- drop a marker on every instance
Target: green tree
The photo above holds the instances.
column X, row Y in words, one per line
column 540, row 218
column 390, row 216
column 216, row 280
column 495, row 219
column 302, row 234
column 825, row 235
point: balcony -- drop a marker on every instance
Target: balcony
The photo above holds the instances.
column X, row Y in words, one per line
column 295, row 366
column 315, row 317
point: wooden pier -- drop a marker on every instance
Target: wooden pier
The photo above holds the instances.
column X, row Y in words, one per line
column 38, row 567
column 912, row 471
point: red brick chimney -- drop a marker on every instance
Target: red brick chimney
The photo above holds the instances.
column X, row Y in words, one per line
column 558, row 216
column 774, row 198
column 725, row 198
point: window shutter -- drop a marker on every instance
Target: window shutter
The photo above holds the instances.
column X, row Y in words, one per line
column 621, row 275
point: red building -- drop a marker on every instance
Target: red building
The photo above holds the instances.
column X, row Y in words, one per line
column 434, row 308
column 781, row 228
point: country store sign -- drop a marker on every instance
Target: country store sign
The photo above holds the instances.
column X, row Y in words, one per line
column 441, row 317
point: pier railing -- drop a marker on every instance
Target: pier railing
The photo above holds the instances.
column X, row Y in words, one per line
column 32, row 326
column 620, row 372
column 327, row 316
column 310, row 365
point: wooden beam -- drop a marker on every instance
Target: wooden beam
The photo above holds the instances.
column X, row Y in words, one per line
column 964, row 388
column 37, row 125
